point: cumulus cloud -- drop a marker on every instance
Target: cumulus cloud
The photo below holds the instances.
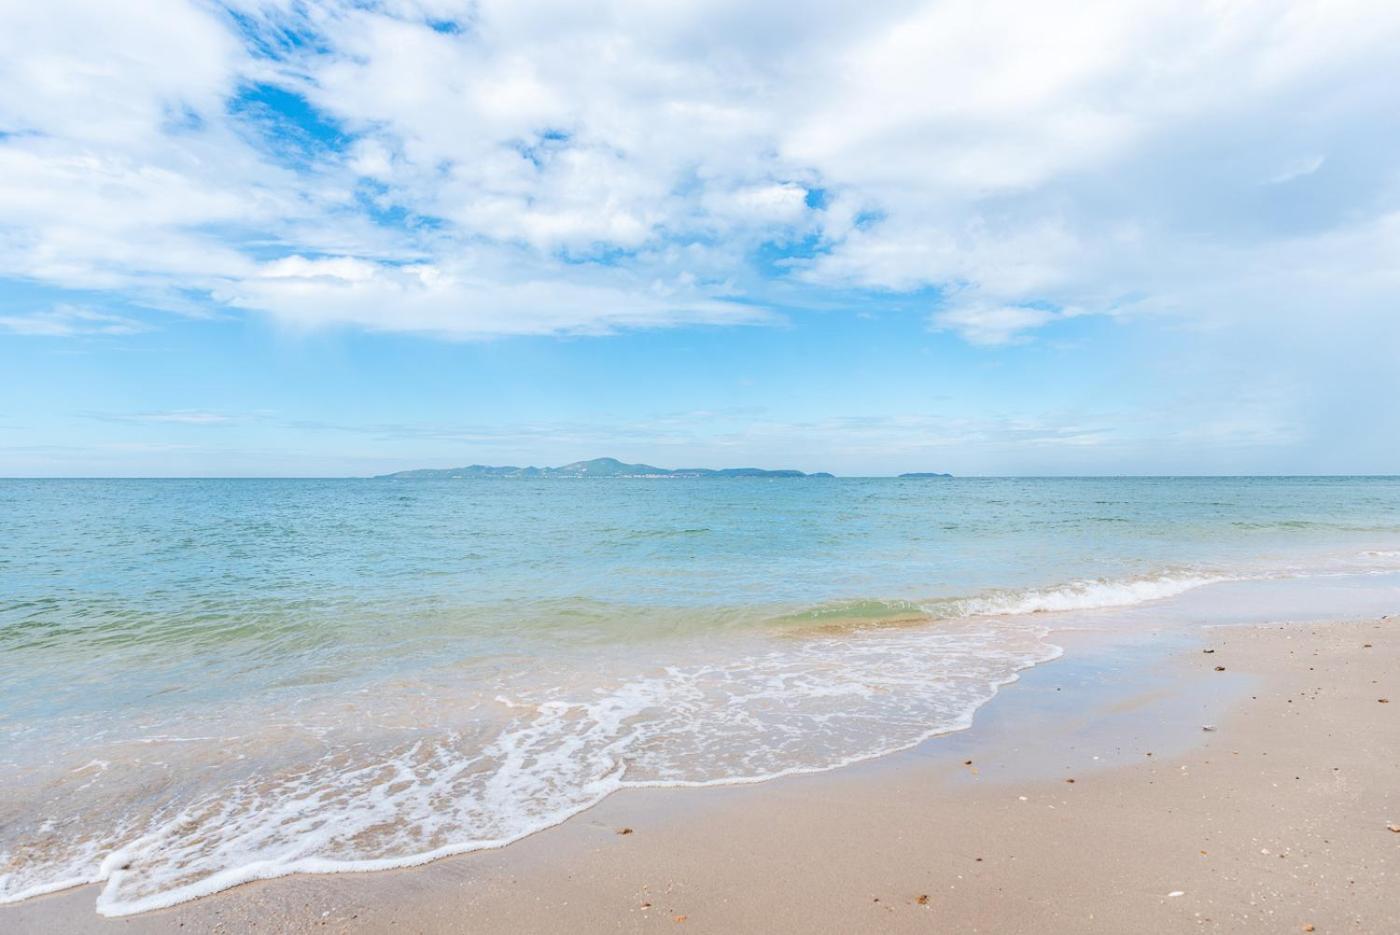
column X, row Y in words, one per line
column 492, row 168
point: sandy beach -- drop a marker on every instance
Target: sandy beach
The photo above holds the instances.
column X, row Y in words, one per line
column 472, row 466
column 488, row 467
column 1233, row 779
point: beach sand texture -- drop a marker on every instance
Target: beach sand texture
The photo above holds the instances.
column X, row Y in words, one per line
column 1130, row 816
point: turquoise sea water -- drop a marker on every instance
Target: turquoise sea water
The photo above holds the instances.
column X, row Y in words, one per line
column 209, row 681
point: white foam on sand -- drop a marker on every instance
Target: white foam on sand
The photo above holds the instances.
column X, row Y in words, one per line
column 419, row 769
column 509, row 764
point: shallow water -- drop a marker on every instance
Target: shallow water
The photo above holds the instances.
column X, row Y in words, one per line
column 209, row 681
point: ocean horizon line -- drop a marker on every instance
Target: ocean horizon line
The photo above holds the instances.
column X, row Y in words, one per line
column 818, row 475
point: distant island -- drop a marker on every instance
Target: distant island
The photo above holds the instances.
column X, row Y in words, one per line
column 923, row 474
column 598, row 467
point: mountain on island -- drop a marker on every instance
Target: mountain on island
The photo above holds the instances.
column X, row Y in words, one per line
column 598, row 467
column 919, row 475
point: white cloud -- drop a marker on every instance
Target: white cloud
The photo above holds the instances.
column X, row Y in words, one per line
column 1297, row 168
column 991, row 325
column 585, row 167
column 110, row 75
column 474, row 297
column 778, row 204
column 64, row 321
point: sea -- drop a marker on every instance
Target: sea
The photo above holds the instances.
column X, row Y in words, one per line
column 206, row 682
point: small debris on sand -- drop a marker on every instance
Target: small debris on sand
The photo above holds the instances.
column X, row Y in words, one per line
column 624, row 830
column 922, row 900
column 967, row 762
column 646, row 905
column 1310, row 928
column 679, row 919
column 1208, row 727
column 1207, row 651
column 1176, row 893
column 1220, row 668
column 1395, row 828
column 1069, row 780
column 1383, row 700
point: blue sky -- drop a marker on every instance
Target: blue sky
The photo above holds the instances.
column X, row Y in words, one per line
column 280, row 237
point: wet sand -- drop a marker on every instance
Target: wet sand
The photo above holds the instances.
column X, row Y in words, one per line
column 1089, row 797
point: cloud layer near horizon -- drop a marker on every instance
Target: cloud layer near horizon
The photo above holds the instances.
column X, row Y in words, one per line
column 494, row 168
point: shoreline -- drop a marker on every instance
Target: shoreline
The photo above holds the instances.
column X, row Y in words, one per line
column 856, row 848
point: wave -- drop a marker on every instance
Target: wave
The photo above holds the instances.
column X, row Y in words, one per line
column 1086, row 595
column 413, row 769
column 496, row 766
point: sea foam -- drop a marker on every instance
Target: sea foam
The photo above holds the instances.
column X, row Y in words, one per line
column 211, row 682
column 497, row 765
column 414, row 769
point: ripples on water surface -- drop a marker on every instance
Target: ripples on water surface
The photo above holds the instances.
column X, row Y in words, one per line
column 204, row 682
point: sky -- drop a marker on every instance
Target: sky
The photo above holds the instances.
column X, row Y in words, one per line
column 275, row 237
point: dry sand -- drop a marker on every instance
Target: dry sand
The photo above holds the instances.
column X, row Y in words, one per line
column 1094, row 802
